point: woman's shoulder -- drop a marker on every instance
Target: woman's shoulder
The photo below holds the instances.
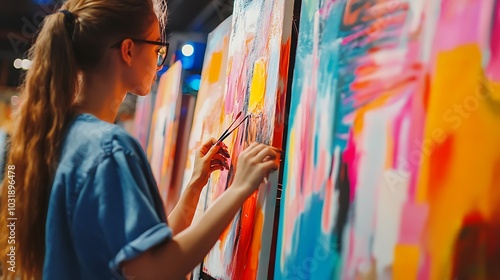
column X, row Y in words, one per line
column 90, row 140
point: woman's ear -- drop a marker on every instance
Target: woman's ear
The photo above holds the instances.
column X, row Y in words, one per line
column 127, row 50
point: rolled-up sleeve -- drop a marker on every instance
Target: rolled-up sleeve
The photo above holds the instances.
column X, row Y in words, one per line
column 116, row 216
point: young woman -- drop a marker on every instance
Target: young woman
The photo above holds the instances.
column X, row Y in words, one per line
column 86, row 203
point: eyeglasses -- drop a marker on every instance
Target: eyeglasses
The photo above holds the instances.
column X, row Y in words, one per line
column 162, row 51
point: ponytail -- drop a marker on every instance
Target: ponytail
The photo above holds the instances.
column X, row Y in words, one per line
column 47, row 96
column 70, row 43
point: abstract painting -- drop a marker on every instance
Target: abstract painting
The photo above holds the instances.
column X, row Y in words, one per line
column 164, row 127
column 392, row 166
column 255, row 85
column 208, row 114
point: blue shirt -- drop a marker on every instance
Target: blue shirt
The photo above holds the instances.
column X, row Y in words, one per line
column 104, row 205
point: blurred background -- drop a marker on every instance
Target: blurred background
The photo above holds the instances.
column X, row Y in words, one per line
column 189, row 22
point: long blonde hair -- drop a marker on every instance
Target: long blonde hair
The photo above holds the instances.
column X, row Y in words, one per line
column 67, row 46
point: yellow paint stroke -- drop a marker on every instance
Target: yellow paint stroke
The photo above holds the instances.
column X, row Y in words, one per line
column 456, row 178
column 406, row 262
column 258, row 86
column 214, row 67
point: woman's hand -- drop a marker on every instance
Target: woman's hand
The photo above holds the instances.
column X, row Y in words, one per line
column 254, row 164
column 208, row 158
column 188, row 248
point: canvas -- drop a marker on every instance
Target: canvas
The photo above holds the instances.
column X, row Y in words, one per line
column 393, row 156
column 255, row 85
column 208, row 114
column 188, row 102
column 164, row 126
column 142, row 119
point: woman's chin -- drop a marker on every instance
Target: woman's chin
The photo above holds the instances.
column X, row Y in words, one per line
column 141, row 91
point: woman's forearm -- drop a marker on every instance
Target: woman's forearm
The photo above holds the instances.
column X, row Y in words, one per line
column 177, row 257
column 182, row 215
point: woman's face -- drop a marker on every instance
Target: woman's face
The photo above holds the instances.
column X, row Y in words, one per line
column 144, row 62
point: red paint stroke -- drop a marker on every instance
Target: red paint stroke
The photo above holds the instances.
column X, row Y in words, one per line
column 426, row 92
column 367, row 69
column 279, row 119
column 439, row 162
column 242, row 250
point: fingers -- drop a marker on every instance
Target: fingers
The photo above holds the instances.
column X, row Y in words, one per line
column 213, row 150
column 266, row 154
column 220, row 161
column 209, row 143
column 266, row 160
column 219, row 157
column 205, row 147
column 219, row 164
column 216, row 152
column 215, row 168
column 264, row 157
column 254, row 149
column 261, row 152
column 269, row 166
column 224, row 152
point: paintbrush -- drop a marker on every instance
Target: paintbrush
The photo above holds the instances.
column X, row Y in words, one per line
column 228, row 131
column 225, row 131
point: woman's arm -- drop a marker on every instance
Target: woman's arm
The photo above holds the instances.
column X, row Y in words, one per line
column 182, row 214
column 208, row 158
column 178, row 256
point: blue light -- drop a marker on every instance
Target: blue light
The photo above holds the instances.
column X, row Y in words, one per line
column 191, row 54
column 194, row 82
column 187, row 61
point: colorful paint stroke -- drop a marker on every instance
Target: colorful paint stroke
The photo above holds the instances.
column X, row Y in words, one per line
column 208, row 114
column 164, row 126
column 142, row 119
column 255, row 84
column 393, row 154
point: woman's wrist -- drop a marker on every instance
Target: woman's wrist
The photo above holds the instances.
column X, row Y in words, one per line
column 194, row 185
column 241, row 191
